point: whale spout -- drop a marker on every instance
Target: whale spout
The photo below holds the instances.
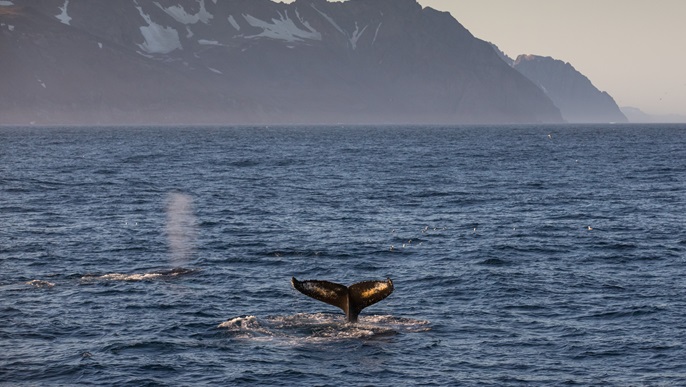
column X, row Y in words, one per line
column 352, row 299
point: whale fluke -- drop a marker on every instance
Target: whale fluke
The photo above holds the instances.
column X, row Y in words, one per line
column 352, row 299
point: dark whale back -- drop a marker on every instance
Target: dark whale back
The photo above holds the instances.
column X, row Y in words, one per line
column 350, row 299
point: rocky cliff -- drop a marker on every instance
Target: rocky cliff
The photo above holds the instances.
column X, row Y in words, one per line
column 252, row 61
column 573, row 93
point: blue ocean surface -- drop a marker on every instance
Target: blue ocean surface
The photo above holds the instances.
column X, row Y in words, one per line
column 520, row 255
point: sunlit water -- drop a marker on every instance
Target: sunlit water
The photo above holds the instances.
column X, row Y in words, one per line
column 520, row 255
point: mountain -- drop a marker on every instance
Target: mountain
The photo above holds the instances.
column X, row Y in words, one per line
column 252, row 61
column 572, row 92
column 638, row 116
column 52, row 73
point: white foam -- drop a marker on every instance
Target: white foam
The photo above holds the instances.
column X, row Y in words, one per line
column 40, row 283
column 282, row 28
column 158, row 39
column 129, row 277
column 248, row 327
column 241, row 323
column 99, row 44
column 165, row 274
column 64, row 17
column 206, row 42
column 6, row 3
column 214, row 70
column 303, row 328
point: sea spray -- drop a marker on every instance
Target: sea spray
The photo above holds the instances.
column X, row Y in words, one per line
column 181, row 228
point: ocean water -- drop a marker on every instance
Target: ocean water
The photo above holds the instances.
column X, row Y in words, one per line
column 521, row 255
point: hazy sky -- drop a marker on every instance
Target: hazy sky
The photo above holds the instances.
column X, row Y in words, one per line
column 633, row 49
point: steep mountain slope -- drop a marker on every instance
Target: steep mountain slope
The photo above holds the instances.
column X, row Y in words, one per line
column 253, row 61
column 572, row 92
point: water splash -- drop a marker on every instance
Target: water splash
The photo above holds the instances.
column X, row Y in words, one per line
column 181, row 228
column 40, row 283
column 305, row 328
column 134, row 277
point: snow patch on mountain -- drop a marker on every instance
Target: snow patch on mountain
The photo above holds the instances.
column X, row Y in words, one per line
column 357, row 34
column 206, row 42
column 305, row 23
column 158, row 39
column 329, row 19
column 283, row 28
column 182, row 16
column 352, row 38
column 376, row 34
column 234, row 23
column 64, row 17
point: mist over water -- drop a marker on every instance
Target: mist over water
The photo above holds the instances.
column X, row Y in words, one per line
column 182, row 228
column 520, row 255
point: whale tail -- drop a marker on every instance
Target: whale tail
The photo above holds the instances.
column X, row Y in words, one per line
column 352, row 299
